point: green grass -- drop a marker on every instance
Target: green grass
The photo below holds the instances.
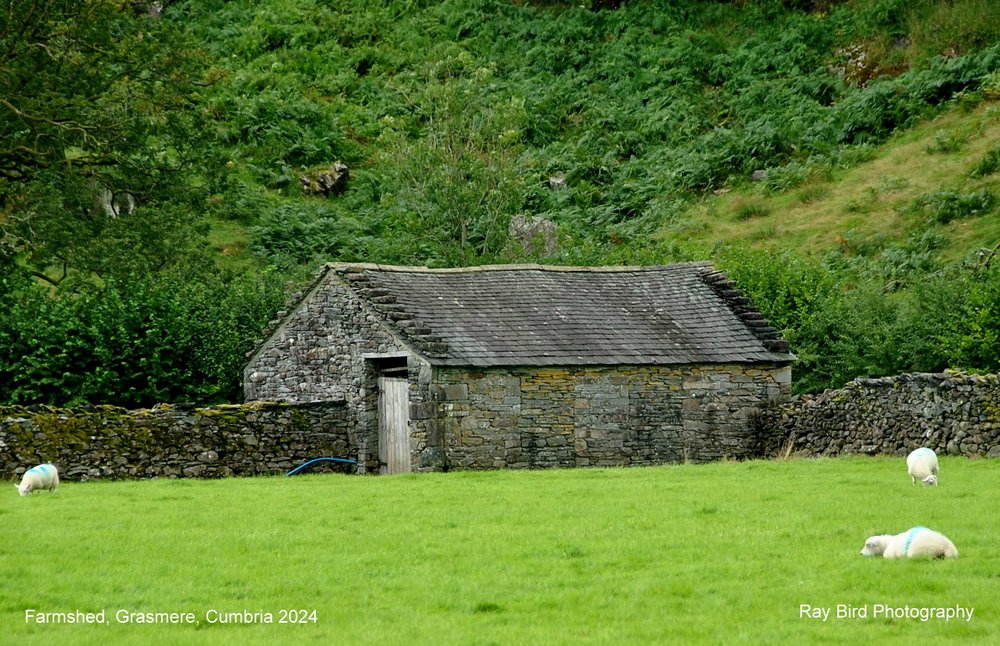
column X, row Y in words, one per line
column 719, row 553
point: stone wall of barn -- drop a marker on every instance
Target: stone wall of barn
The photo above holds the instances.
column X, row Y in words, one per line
column 318, row 354
column 105, row 442
column 951, row 413
column 610, row 416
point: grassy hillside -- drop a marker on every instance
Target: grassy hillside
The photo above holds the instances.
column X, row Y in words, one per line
column 685, row 553
column 454, row 117
column 882, row 203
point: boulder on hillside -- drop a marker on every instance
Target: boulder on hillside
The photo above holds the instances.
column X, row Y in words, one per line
column 326, row 182
column 532, row 230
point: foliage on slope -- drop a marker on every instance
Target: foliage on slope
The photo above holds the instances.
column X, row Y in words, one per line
column 453, row 116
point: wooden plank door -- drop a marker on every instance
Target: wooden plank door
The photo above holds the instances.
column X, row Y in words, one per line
column 393, row 418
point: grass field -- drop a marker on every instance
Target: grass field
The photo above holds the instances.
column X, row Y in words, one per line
column 717, row 553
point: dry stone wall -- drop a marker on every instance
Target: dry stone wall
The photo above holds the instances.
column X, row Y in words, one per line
column 260, row 438
column 951, row 413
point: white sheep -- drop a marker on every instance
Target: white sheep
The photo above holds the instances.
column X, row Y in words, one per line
column 918, row 541
column 923, row 465
column 44, row 476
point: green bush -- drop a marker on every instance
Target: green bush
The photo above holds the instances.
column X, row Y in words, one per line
column 971, row 329
column 941, row 207
column 842, row 324
column 136, row 341
column 300, row 233
column 988, row 165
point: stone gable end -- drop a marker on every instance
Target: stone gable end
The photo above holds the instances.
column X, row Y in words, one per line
column 318, row 353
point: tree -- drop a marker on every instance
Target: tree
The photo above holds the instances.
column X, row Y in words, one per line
column 98, row 137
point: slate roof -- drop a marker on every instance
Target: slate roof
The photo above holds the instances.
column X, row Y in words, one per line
column 533, row 315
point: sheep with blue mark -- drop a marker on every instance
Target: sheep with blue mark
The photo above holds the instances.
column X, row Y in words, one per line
column 43, row 476
column 922, row 465
column 916, row 542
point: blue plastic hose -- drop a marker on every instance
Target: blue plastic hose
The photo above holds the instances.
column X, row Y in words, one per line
column 305, row 464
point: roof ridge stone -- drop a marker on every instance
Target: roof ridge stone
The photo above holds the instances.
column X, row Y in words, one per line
column 359, row 267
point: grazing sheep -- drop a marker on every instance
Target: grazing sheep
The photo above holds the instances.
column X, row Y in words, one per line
column 923, row 465
column 44, row 476
column 918, row 541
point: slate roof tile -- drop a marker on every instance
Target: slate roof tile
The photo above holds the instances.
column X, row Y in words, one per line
column 522, row 315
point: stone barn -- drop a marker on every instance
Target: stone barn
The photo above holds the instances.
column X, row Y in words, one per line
column 527, row 366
